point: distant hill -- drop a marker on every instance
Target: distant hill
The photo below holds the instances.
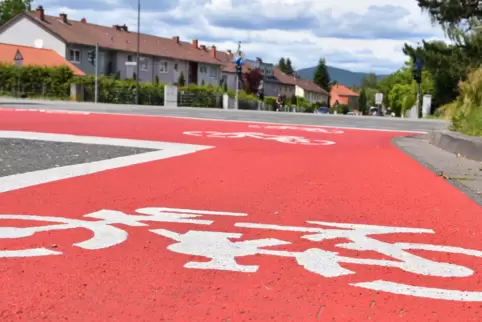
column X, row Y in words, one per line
column 342, row 76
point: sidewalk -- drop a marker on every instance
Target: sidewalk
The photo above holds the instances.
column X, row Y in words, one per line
column 462, row 173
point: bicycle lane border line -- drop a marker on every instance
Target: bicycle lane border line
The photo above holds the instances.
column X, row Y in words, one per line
column 86, row 113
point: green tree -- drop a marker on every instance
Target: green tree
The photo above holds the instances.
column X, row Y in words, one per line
column 321, row 77
column 180, row 80
column 289, row 67
column 370, row 80
column 11, row 8
column 282, row 64
column 362, row 102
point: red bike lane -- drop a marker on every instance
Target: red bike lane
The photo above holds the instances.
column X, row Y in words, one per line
column 255, row 228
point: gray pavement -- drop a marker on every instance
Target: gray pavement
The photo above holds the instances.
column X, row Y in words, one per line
column 21, row 156
column 462, row 173
column 346, row 121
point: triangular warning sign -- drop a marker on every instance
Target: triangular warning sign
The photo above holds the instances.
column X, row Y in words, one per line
column 18, row 56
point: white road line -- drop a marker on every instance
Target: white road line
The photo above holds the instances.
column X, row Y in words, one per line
column 164, row 150
column 79, row 112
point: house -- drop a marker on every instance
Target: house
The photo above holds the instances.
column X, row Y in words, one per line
column 341, row 94
column 271, row 84
column 35, row 57
column 287, row 83
column 228, row 69
column 311, row 92
column 161, row 58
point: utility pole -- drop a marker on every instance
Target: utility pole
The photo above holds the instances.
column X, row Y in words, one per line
column 417, row 75
column 239, row 73
column 96, row 60
column 138, row 48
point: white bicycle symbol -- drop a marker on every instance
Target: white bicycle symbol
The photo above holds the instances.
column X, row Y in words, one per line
column 294, row 128
column 222, row 252
column 289, row 139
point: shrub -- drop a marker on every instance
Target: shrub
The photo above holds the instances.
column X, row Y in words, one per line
column 35, row 81
column 466, row 110
column 180, row 81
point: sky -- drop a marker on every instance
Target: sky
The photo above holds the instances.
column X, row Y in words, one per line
column 358, row 35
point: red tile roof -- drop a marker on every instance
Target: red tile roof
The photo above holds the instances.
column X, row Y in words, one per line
column 310, row 86
column 36, row 57
column 284, row 78
column 83, row 33
column 342, row 90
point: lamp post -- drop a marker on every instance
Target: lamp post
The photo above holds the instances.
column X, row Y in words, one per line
column 138, row 48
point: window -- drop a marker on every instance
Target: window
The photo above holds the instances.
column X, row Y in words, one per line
column 163, row 66
column 75, row 56
column 143, row 63
column 213, row 71
column 203, row 69
column 129, row 58
column 176, row 67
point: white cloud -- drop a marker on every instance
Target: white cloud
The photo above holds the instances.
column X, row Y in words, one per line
column 358, row 35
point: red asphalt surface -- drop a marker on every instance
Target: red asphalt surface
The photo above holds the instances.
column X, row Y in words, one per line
column 362, row 179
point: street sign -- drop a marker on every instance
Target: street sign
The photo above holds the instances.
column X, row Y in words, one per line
column 18, row 58
column 378, row 98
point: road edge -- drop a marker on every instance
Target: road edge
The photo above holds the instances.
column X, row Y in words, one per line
column 477, row 198
column 469, row 147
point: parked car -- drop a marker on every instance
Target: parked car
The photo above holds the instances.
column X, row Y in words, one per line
column 323, row 110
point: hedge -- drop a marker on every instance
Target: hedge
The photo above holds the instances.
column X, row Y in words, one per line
column 34, row 81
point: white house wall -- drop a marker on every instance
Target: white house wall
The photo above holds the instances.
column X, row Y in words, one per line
column 24, row 33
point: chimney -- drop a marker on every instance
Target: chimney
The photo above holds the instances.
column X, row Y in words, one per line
column 117, row 27
column 83, row 20
column 213, row 52
column 202, row 47
column 259, row 60
column 230, row 52
column 63, row 17
column 195, row 43
column 40, row 13
column 124, row 27
column 176, row 39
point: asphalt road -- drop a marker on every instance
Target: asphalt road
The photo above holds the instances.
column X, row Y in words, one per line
column 21, row 156
column 365, row 122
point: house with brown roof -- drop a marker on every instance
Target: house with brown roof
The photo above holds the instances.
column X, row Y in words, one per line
column 31, row 56
column 73, row 40
column 341, row 94
column 311, row 92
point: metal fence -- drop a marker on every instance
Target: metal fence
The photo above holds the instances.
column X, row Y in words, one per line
column 35, row 91
column 199, row 99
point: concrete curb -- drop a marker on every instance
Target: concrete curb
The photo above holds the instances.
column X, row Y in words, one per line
column 467, row 146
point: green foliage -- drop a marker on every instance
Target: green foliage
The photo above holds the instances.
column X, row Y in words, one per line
column 112, row 90
column 180, row 80
column 467, row 109
column 225, row 87
column 321, row 77
column 156, row 80
column 270, row 101
column 203, row 83
column 342, row 109
column 289, row 67
column 50, row 82
column 362, row 102
column 200, row 96
column 286, row 66
column 370, row 80
column 282, row 64
column 11, row 8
